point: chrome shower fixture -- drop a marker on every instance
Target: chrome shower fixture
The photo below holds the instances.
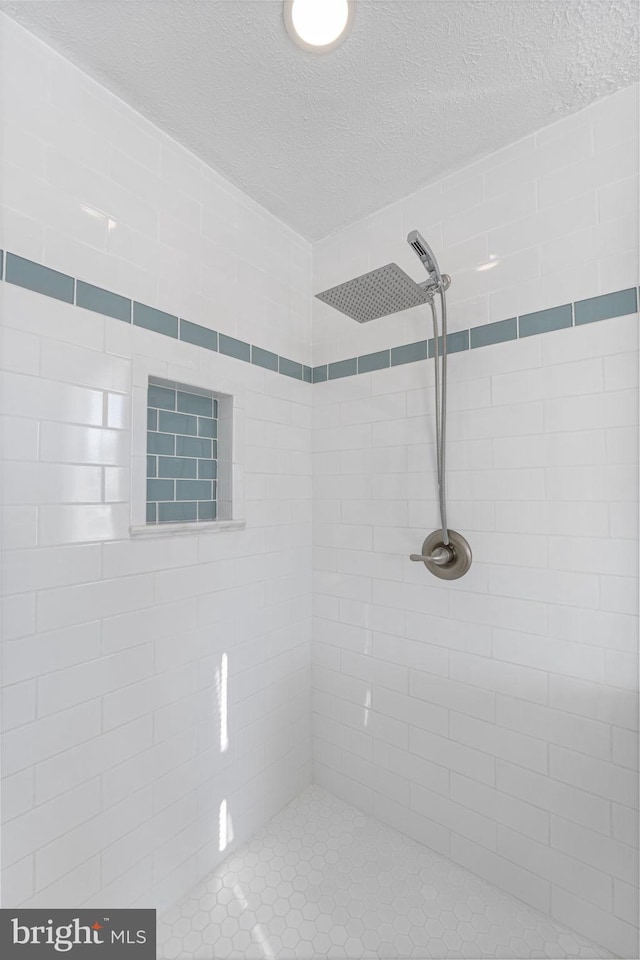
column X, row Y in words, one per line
column 450, row 561
column 376, row 294
column 425, row 253
column 388, row 290
column 428, row 260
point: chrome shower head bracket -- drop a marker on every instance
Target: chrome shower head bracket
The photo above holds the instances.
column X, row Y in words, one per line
column 449, row 561
column 431, row 287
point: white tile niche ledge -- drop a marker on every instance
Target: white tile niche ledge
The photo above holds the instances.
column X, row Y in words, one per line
column 183, row 529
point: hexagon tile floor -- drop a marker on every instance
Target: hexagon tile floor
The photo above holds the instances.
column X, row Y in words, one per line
column 324, row 880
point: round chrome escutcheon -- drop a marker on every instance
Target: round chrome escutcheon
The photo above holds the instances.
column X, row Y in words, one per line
column 460, row 561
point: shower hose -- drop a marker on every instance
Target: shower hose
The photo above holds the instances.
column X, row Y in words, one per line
column 441, row 405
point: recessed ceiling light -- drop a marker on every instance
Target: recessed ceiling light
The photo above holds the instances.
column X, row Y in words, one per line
column 318, row 25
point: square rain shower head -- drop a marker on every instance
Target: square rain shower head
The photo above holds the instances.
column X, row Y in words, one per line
column 376, row 294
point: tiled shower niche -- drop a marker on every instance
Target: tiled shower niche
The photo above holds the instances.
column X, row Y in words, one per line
column 188, row 454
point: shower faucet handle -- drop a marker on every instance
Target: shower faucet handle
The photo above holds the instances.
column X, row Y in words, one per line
column 441, row 555
column 448, row 561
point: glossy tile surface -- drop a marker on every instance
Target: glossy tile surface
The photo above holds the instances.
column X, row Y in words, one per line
column 187, row 482
column 323, row 879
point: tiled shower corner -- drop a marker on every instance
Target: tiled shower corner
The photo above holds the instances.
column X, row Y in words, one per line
column 323, row 879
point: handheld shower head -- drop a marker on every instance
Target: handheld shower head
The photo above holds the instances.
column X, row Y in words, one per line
column 425, row 254
column 388, row 289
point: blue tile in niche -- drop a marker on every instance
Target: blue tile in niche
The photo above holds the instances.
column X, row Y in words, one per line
column 151, row 467
column 177, row 467
column 161, row 397
column 194, row 490
column 151, row 513
column 152, row 419
column 193, row 447
column 177, row 512
column 198, row 335
column 264, row 358
column 207, row 510
column 207, row 469
column 194, row 403
column 152, row 319
column 207, row 427
column 234, row 348
column 319, row 374
column 160, row 490
column 618, row 304
column 490, row 333
column 33, row 276
column 103, row 301
column 374, row 361
column 455, row 342
column 410, row 353
column 543, row 321
column 307, row 374
column 343, row 368
column 290, row 368
column 163, row 443
column 178, row 423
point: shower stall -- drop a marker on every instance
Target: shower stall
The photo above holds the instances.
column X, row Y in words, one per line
column 319, row 638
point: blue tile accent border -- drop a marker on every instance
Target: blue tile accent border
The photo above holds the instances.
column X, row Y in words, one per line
column 264, row 358
column 343, row 368
column 290, row 368
column 152, row 319
column 410, row 353
column 234, row 348
column 490, row 333
column 374, row 361
column 33, row 276
column 455, row 343
column 52, row 283
column 102, row 301
column 618, row 304
column 200, row 336
column 544, row 321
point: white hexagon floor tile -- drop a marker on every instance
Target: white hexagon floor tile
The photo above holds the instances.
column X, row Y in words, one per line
column 322, row 879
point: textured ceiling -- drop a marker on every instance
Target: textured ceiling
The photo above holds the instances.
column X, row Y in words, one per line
column 419, row 88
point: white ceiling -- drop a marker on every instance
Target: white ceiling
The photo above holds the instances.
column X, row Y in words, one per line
column 419, row 88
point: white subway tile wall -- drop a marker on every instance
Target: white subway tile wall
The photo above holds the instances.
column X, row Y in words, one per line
column 94, row 190
column 494, row 718
column 146, row 683
column 156, row 693
column 546, row 221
